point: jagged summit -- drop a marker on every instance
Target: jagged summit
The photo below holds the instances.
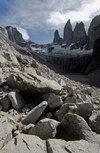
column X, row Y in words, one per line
column 14, row 35
column 68, row 34
column 57, row 39
column 79, row 34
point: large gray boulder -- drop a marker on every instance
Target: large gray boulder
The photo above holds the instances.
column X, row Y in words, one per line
column 57, row 39
column 53, row 100
column 33, row 84
column 25, row 144
column 16, row 100
column 65, row 108
column 35, row 113
column 79, row 34
column 94, row 121
column 77, row 128
column 68, row 34
column 45, row 128
column 93, row 32
column 84, row 109
column 61, row 146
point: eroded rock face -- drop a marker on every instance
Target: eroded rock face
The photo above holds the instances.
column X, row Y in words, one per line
column 4, row 32
column 14, row 35
column 25, row 143
column 79, row 34
column 57, row 39
column 96, row 51
column 93, row 32
column 68, row 34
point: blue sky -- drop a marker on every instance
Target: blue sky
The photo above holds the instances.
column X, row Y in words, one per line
column 38, row 19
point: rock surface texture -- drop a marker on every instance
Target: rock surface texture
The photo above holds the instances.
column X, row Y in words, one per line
column 57, row 39
column 68, row 34
column 93, row 32
column 42, row 111
column 79, row 34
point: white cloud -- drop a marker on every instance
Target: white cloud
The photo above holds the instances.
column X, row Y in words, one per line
column 82, row 13
column 43, row 15
column 24, row 33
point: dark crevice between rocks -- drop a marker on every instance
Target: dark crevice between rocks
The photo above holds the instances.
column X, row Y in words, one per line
column 26, row 144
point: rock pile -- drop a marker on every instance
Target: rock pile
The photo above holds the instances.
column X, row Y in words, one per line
column 42, row 111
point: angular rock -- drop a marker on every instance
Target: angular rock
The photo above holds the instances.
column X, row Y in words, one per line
column 84, row 109
column 68, row 34
column 53, row 100
column 77, row 128
column 3, row 61
column 94, row 121
column 32, row 84
column 4, row 32
column 70, row 100
column 25, row 144
column 61, row 146
column 30, row 70
column 5, row 103
column 35, row 113
column 16, row 100
column 11, row 57
column 62, row 111
column 45, row 128
column 62, row 82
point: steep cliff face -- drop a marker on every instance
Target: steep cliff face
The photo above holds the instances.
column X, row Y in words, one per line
column 93, row 69
column 79, row 34
column 67, row 64
column 14, row 35
column 3, row 31
column 68, row 33
column 93, row 32
column 57, row 39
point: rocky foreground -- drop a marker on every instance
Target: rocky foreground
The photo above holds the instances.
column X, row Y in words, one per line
column 44, row 112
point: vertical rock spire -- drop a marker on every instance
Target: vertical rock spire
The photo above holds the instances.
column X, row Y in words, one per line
column 68, row 34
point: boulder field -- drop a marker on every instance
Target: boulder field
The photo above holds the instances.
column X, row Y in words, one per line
column 42, row 111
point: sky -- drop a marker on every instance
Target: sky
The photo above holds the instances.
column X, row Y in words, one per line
column 38, row 19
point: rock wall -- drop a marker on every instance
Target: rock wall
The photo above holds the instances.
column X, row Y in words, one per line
column 93, row 32
column 68, row 34
column 57, row 39
column 70, row 64
column 79, row 34
column 14, row 35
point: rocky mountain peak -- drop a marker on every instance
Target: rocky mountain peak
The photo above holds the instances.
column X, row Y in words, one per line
column 14, row 35
column 3, row 31
column 57, row 39
column 79, row 34
column 68, row 34
column 93, row 32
